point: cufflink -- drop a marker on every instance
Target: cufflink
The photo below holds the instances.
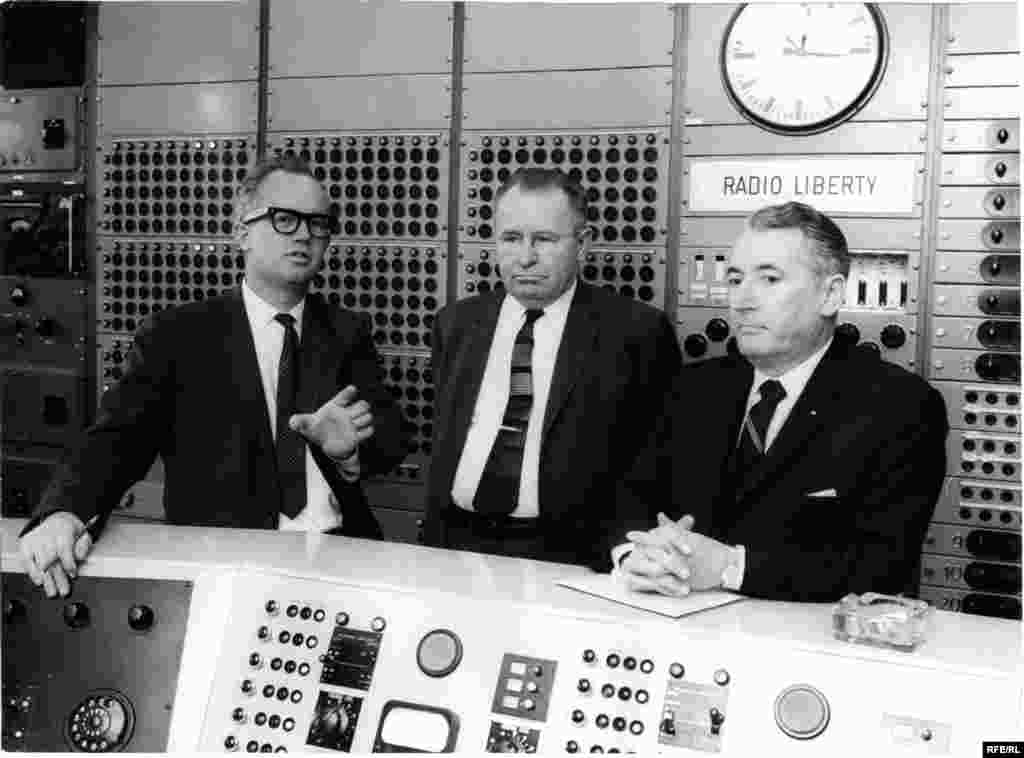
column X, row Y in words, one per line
column 731, row 572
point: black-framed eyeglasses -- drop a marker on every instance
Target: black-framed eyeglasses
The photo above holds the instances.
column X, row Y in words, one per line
column 287, row 221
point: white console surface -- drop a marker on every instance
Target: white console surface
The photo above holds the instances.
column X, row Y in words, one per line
column 962, row 686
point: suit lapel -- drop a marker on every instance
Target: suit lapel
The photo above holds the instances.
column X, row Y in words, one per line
column 809, row 417
column 471, row 360
column 577, row 344
column 319, row 358
column 245, row 371
column 720, row 414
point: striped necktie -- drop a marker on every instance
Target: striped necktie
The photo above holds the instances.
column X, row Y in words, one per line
column 753, row 436
column 498, row 491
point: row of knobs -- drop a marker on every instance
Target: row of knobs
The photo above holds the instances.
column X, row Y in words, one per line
column 78, row 615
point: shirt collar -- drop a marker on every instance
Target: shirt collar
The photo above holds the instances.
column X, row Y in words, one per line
column 558, row 310
column 794, row 380
column 261, row 313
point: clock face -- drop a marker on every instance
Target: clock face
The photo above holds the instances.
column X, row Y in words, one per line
column 803, row 68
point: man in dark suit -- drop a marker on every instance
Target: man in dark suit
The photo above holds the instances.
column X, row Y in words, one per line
column 265, row 404
column 808, row 467
column 545, row 391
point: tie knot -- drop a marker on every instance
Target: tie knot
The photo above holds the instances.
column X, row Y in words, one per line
column 532, row 314
column 286, row 320
column 772, row 391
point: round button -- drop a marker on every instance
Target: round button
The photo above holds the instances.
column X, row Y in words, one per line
column 625, row 693
column 636, row 727
column 602, row 720
column 439, row 652
column 629, row 663
column 802, row 712
column 583, row 685
column 271, row 607
column 572, row 746
column 76, row 615
column 722, row 677
column 341, row 619
column 378, row 624
column 141, row 617
column 589, row 656
column 612, row 660
column 676, row 670
column 578, row 716
column 647, row 665
column 608, row 690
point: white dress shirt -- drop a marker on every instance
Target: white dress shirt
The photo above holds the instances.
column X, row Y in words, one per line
column 793, row 382
column 492, row 400
column 322, row 511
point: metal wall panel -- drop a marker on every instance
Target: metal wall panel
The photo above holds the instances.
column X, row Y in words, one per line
column 982, row 102
column 973, row 136
column 169, row 42
column 983, row 70
column 979, row 202
column 903, row 93
column 919, row 185
column 870, row 234
column 961, row 300
column 746, row 139
column 982, row 28
column 331, row 38
column 976, row 495
column 364, row 102
column 568, row 100
column 167, row 109
column 22, row 115
column 533, row 36
column 975, row 235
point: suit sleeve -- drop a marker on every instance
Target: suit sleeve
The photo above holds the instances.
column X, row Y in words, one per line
column 388, row 445
column 643, row 465
column 121, row 446
column 882, row 551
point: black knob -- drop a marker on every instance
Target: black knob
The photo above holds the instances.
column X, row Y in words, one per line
column 1000, row 169
column 589, row 656
column 668, row 725
column 848, row 333
column 893, row 336
column 76, row 615
column 717, row 329
column 578, row 716
column 998, row 202
column 695, row 345
column 141, row 617
column 732, row 347
column 717, row 717
column 996, row 235
column 583, row 686
column 19, row 295
column 1002, row 136
column 14, row 609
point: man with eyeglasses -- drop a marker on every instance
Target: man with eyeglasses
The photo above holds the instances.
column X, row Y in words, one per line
column 545, row 389
column 266, row 404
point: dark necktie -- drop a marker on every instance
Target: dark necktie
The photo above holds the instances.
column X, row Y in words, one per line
column 498, row 492
column 290, row 446
column 753, row 436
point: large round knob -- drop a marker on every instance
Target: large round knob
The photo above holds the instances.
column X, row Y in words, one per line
column 46, row 327
column 19, row 295
column 801, row 712
column 893, row 336
column 848, row 333
column 695, row 345
column 76, row 615
column 140, row 617
column 717, row 329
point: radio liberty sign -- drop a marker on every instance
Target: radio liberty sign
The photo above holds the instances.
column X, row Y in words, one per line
column 854, row 184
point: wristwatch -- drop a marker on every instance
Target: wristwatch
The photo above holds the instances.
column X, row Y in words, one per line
column 732, row 575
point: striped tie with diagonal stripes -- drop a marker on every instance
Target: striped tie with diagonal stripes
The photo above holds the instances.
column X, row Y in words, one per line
column 753, row 436
column 498, row 491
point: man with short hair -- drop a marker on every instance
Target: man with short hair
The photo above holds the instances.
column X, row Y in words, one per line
column 807, row 467
column 545, row 391
column 265, row 404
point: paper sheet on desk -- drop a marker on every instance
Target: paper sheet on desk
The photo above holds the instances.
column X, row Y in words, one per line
column 608, row 587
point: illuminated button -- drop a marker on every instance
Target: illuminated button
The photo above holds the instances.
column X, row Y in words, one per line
column 676, row 670
column 602, row 721
column 612, row 660
column 801, row 712
column 636, row 727
column 528, row 704
column 378, row 624
column 647, row 665
column 642, row 696
column 439, row 653
column 721, row 677
column 514, row 685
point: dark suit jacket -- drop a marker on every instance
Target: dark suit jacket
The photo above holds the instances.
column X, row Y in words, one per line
column 614, row 365
column 867, row 429
column 192, row 394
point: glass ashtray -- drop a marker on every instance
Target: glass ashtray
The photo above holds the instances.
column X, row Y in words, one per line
column 883, row 620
